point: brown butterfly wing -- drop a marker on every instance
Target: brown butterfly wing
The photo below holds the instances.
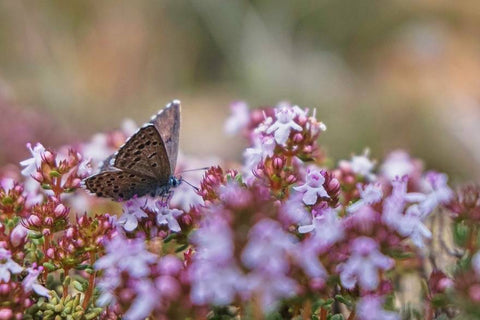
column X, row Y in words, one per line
column 120, row 185
column 144, row 154
column 167, row 123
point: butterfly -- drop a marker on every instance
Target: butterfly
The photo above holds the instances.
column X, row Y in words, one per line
column 145, row 164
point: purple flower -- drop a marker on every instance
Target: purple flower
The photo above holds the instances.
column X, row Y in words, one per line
column 34, row 162
column 239, row 118
column 31, row 282
column 132, row 213
column 326, row 226
column 363, row 265
column 145, row 302
column 362, row 165
column 7, row 265
column 167, row 216
column 411, row 225
column 263, row 147
column 127, row 255
column 294, row 211
column 398, row 164
column 370, row 194
column 270, row 289
column 268, row 247
column 313, row 187
column 234, row 195
column 306, row 255
column 284, row 124
column 371, row 308
column 438, row 192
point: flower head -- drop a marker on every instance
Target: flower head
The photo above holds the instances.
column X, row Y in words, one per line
column 167, row 216
column 284, row 125
column 364, row 264
column 32, row 164
column 371, row 308
column 313, row 187
column 7, row 265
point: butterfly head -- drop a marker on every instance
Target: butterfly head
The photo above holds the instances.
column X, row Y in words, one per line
column 174, row 181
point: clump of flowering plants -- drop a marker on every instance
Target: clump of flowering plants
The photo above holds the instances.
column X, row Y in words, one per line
column 282, row 236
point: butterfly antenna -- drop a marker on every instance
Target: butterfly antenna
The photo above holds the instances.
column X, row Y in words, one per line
column 191, row 185
column 198, row 169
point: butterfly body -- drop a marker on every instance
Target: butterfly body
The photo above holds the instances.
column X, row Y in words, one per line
column 145, row 164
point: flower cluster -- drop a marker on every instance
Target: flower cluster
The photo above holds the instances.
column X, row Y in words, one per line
column 283, row 235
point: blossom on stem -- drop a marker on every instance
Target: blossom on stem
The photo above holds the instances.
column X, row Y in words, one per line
column 326, row 227
column 7, row 265
column 31, row 282
column 364, row 264
column 132, row 213
column 438, row 192
column 313, row 187
column 361, row 165
column 284, row 125
column 167, row 216
column 32, row 164
column 370, row 194
column 411, row 225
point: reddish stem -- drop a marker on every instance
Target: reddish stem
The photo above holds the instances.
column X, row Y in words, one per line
column 91, row 283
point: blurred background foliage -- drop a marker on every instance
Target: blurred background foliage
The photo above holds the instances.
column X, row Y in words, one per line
column 383, row 74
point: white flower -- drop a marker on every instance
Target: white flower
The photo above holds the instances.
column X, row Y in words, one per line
column 132, row 213
column 168, row 216
column 326, row 226
column 371, row 308
column 362, row 165
column 313, row 187
column 34, row 162
column 7, row 265
column 284, row 124
column 411, row 225
column 31, row 283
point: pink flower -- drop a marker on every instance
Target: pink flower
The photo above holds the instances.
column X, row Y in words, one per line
column 18, row 235
column 398, row 164
column 371, row 308
column 411, row 225
column 31, row 282
column 370, row 194
column 167, row 216
column 364, row 264
column 362, row 165
column 326, row 227
column 7, row 265
column 284, row 124
column 132, row 213
column 313, row 187
column 239, row 118
column 438, row 192
column 34, row 162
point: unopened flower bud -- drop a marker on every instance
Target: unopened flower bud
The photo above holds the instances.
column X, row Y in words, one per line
column 297, row 137
column 48, row 221
column 37, row 176
column 6, row 314
column 60, row 210
column 291, row 179
column 278, row 163
column 49, row 157
column 34, row 220
column 211, row 179
column 307, row 149
column 50, row 253
column 18, row 235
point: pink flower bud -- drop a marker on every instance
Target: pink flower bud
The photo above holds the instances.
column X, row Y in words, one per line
column 18, row 235
column 4, row 289
column 278, row 163
column 211, row 179
column 69, row 233
column 76, row 183
column 291, row 179
column 48, row 221
column 334, row 185
column 297, row 137
column 34, row 220
column 37, row 176
column 302, row 120
column 50, row 253
column 6, row 314
column 186, row 219
column 49, row 157
column 46, row 232
column 60, row 210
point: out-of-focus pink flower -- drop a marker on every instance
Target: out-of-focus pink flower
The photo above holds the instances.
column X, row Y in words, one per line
column 313, row 187
column 362, row 165
column 411, row 225
column 284, row 125
column 371, row 308
column 398, row 164
column 127, row 255
column 326, row 227
column 370, row 194
column 7, row 265
column 239, row 118
column 34, row 162
column 437, row 192
column 363, row 265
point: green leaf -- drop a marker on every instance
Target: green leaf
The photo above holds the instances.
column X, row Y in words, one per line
column 344, row 300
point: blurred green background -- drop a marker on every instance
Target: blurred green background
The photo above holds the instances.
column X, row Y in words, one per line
column 382, row 74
